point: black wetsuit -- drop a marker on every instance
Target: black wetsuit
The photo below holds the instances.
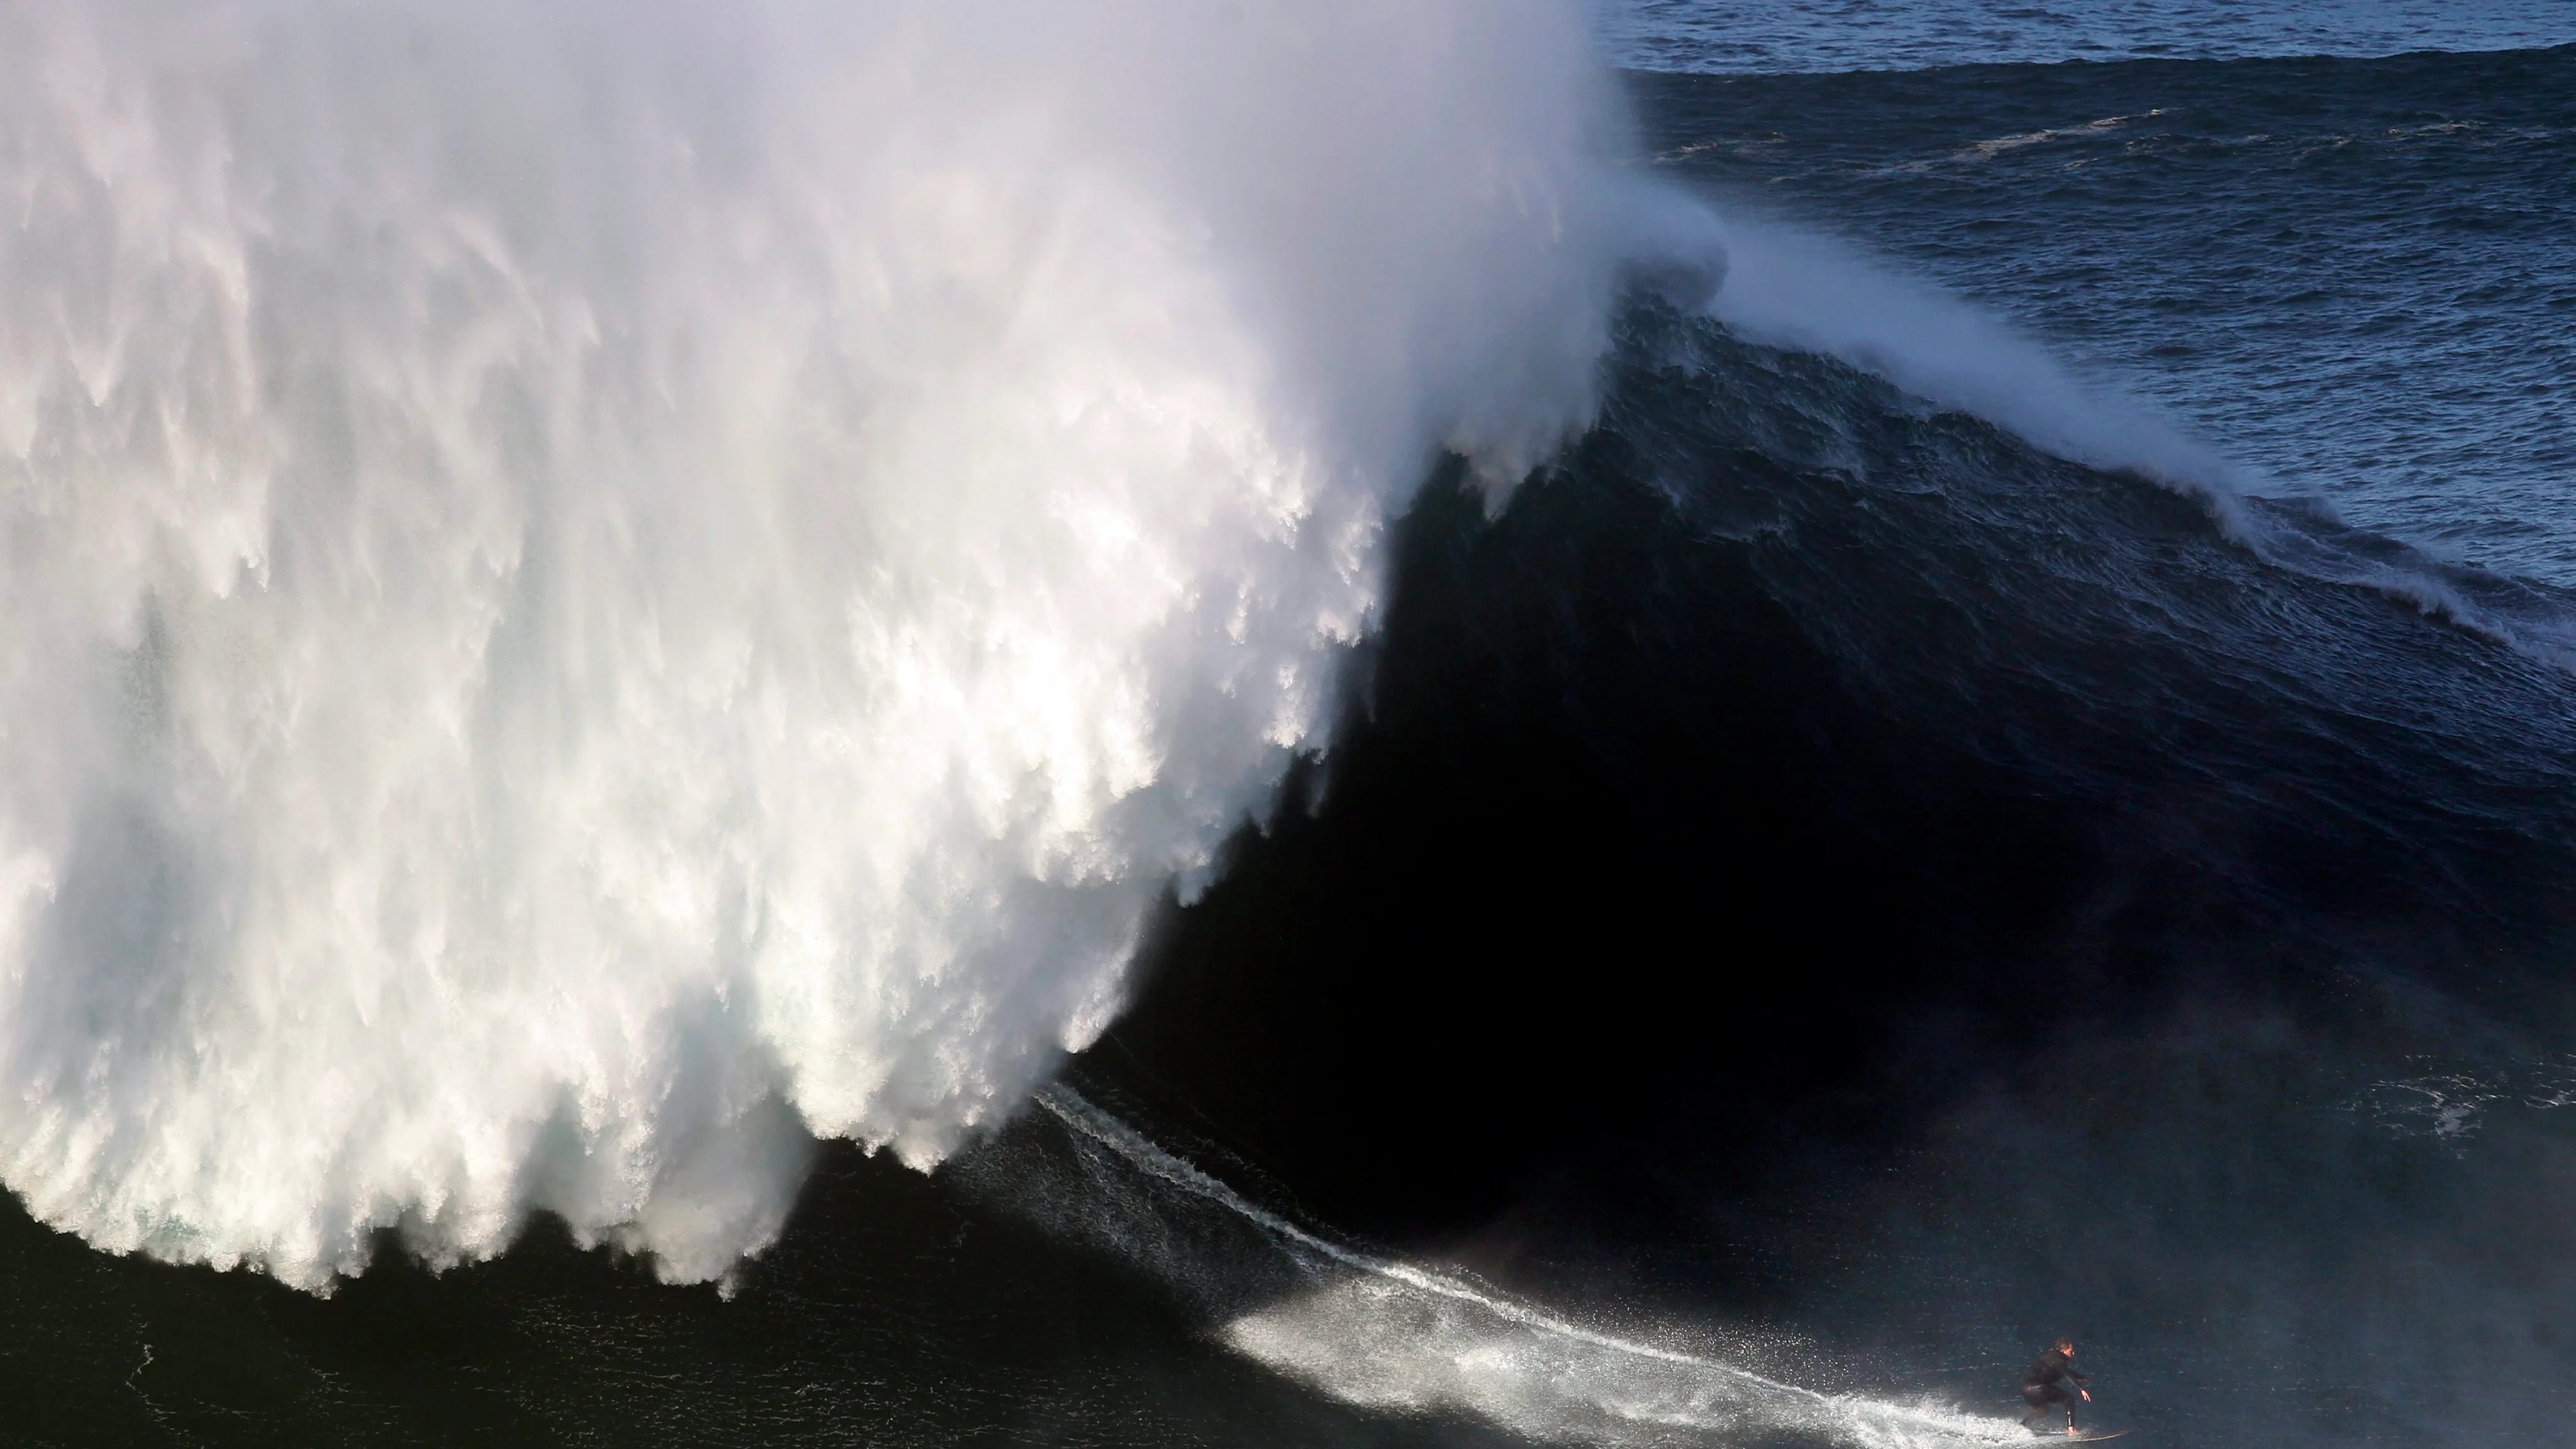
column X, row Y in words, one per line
column 2040, row 1387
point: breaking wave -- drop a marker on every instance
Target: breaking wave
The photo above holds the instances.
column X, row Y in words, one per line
column 595, row 590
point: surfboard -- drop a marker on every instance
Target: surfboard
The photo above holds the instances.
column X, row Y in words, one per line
column 2076, row 1438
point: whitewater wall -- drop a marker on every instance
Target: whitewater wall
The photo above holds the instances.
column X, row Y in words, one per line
column 587, row 591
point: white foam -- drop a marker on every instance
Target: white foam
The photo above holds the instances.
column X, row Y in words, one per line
column 591, row 589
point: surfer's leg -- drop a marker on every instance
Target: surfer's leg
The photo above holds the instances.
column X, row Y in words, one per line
column 2037, row 1396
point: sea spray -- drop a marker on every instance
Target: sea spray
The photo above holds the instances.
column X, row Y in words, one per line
column 593, row 590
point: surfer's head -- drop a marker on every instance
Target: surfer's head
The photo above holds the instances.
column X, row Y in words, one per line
column 2066, row 1346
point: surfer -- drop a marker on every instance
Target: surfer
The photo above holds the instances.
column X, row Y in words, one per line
column 2041, row 1386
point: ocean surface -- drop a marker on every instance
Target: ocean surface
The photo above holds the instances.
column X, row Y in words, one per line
column 1465, row 724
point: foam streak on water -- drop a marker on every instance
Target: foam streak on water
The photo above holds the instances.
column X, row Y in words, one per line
column 592, row 589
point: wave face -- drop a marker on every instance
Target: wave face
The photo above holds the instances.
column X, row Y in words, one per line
column 592, row 591
column 1889, row 842
column 1820, row 865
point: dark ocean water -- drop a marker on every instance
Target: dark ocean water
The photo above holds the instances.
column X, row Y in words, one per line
column 1818, row 886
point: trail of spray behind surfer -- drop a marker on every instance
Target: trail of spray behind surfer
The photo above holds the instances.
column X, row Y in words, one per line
column 1392, row 1335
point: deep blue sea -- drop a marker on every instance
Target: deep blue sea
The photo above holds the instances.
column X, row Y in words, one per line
column 724, row 729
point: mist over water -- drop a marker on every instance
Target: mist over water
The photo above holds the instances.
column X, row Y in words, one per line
column 592, row 591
